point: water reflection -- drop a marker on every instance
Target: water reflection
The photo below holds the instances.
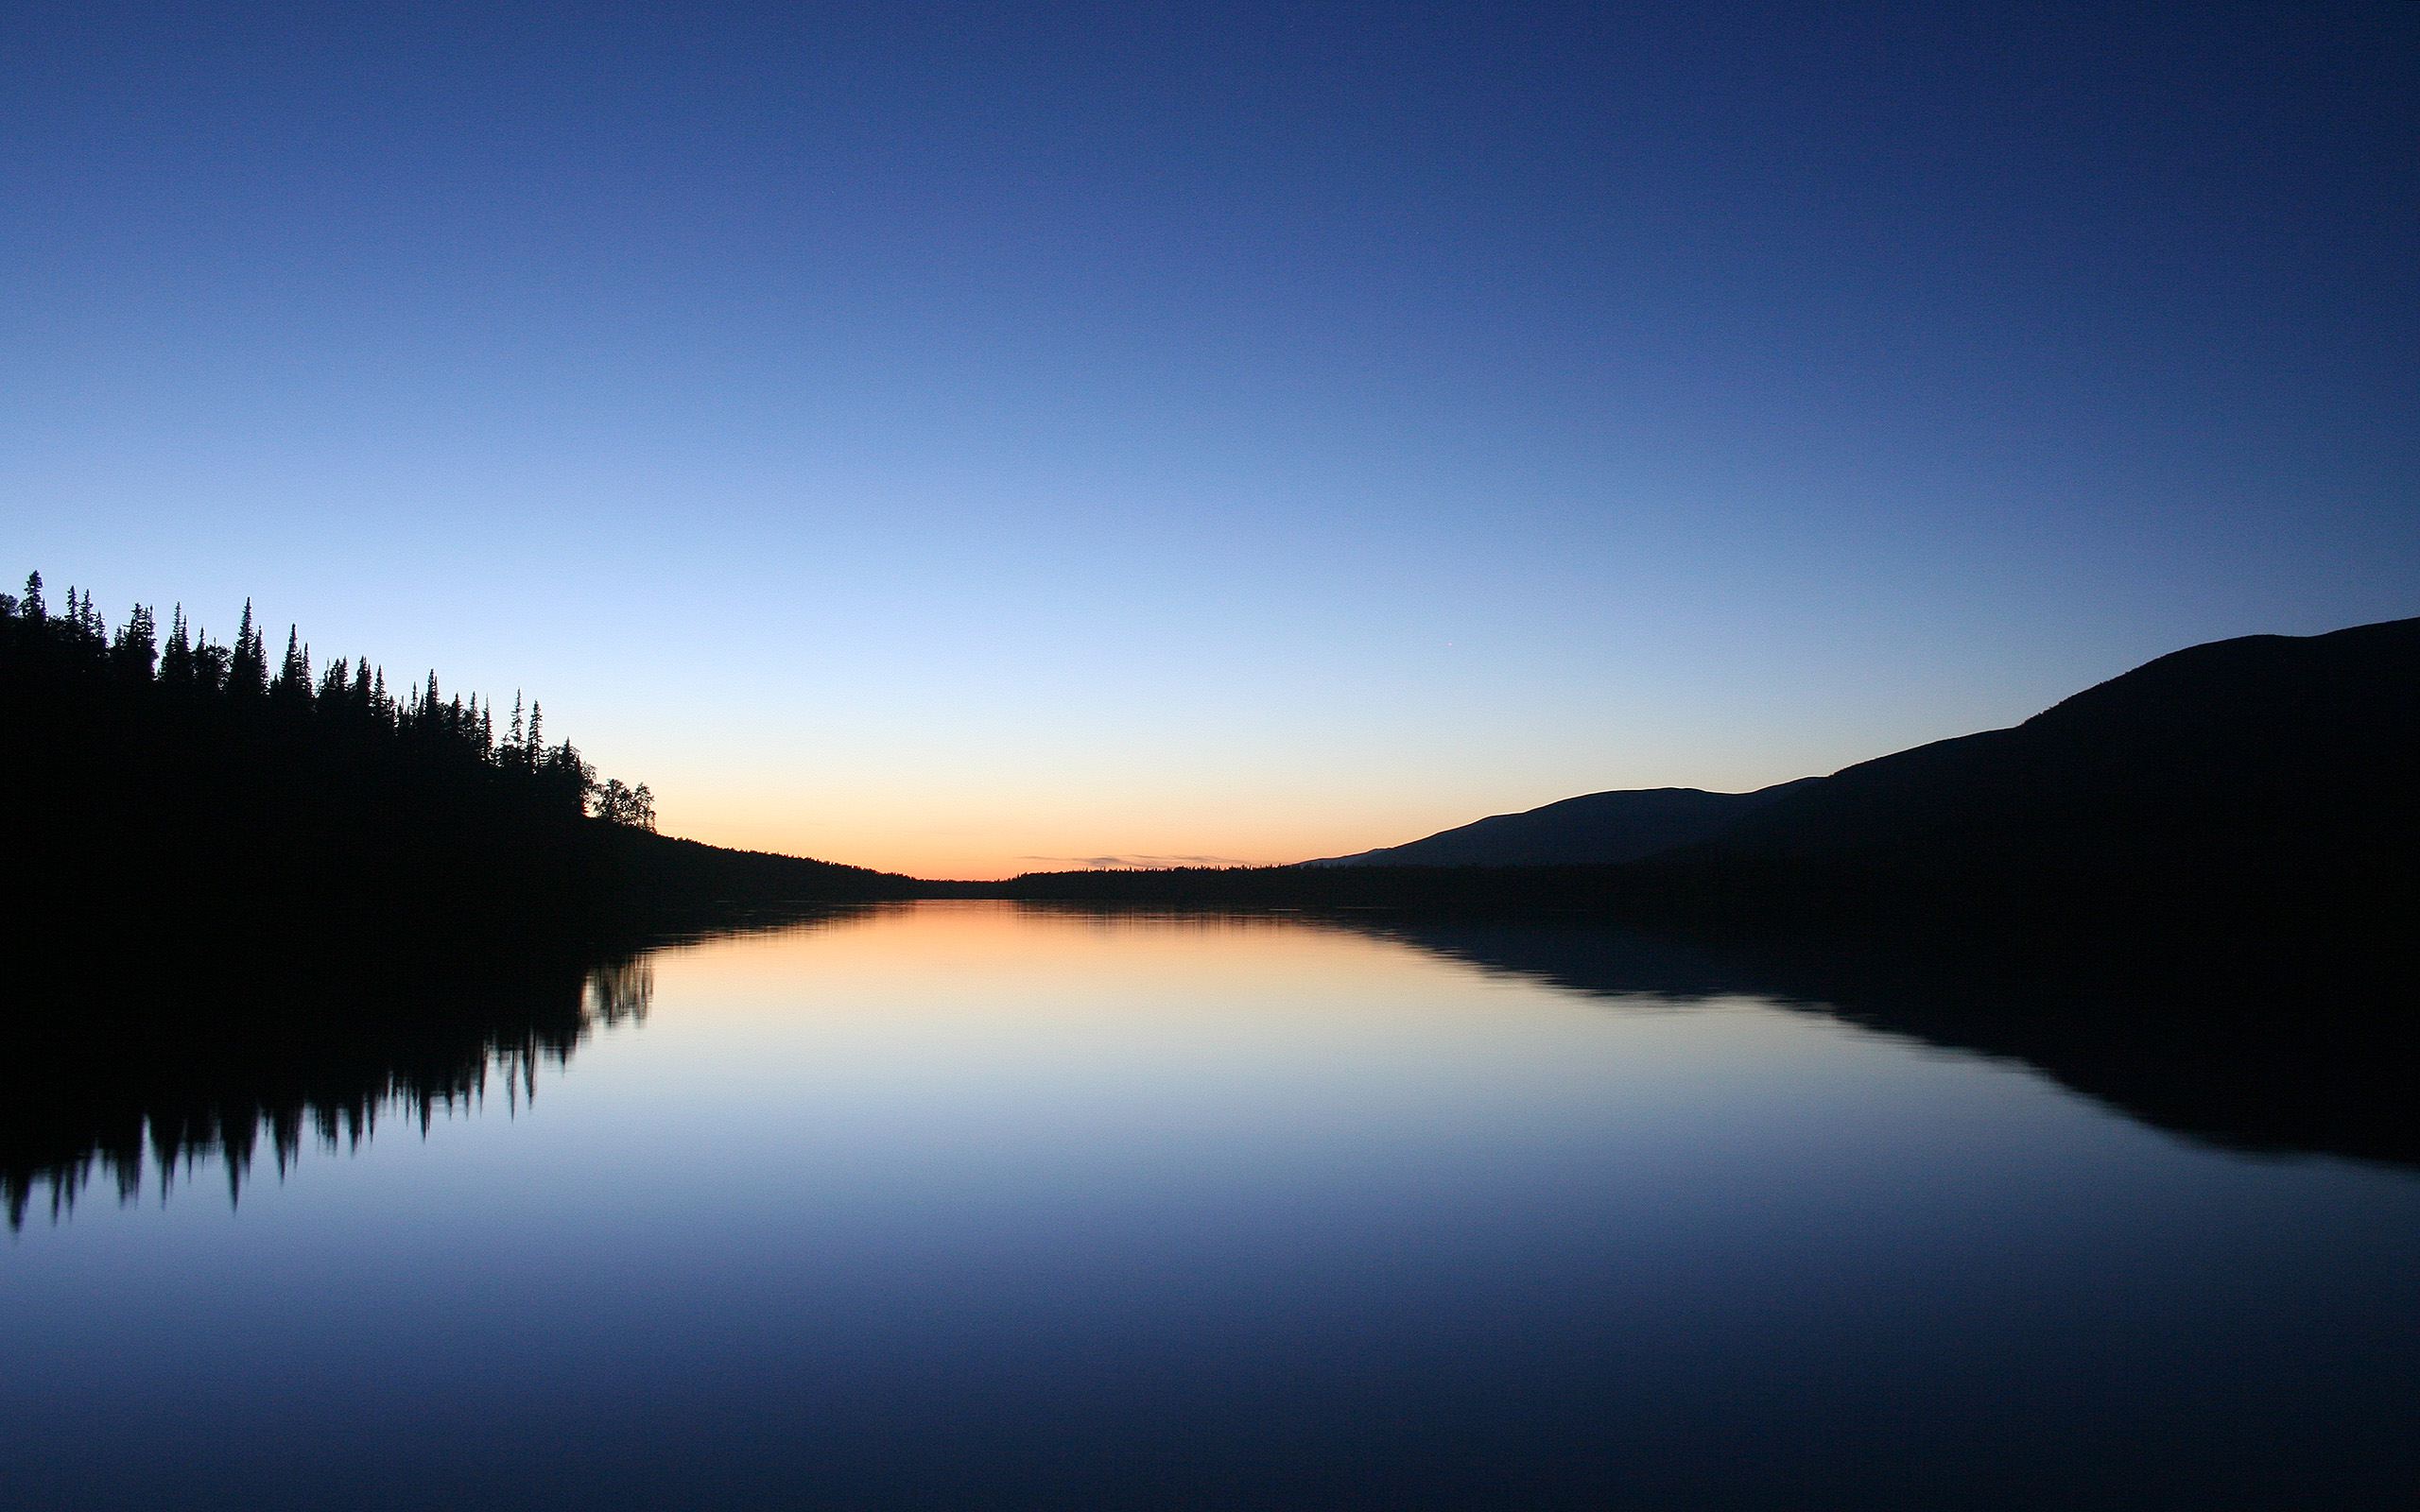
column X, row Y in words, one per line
column 116, row 1074
column 119, row 1074
column 2245, row 1045
column 2258, row 1050
column 965, row 1204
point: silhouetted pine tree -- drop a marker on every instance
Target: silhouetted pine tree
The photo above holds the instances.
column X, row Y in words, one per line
column 291, row 690
column 136, row 650
column 247, row 663
column 176, row 660
column 209, row 663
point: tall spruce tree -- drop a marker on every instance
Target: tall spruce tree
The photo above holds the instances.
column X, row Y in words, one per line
column 176, row 660
column 291, row 690
column 247, row 663
column 136, row 650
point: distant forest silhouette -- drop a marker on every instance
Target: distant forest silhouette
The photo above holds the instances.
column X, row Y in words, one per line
column 214, row 796
column 231, row 689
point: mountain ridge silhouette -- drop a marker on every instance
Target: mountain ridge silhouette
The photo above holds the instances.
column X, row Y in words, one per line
column 2263, row 755
column 2260, row 753
column 1595, row 828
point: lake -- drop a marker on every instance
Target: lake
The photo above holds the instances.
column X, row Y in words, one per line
column 974, row 1204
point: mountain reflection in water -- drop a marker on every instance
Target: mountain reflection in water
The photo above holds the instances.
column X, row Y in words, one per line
column 2246, row 1045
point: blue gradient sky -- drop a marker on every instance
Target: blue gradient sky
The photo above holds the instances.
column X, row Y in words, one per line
column 942, row 437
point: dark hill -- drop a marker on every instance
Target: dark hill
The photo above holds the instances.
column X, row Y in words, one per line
column 2269, row 784
column 2271, row 763
column 1598, row 829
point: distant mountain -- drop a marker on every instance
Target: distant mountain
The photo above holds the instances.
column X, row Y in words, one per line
column 2286, row 766
column 1598, row 829
column 2270, row 761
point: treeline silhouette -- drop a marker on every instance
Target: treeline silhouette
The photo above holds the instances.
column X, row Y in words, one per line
column 208, row 793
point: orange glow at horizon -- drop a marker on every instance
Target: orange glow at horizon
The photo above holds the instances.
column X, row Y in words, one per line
column 961, row 840
column 932, row 810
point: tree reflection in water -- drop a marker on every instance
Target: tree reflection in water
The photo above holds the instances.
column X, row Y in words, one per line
column 112, row 1073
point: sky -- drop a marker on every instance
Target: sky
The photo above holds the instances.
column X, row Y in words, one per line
column 965, row 440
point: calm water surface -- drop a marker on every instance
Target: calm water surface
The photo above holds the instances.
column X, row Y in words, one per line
column 958, row 1204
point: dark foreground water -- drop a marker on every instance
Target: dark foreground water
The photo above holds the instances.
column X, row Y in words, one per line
column 962, row 1205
